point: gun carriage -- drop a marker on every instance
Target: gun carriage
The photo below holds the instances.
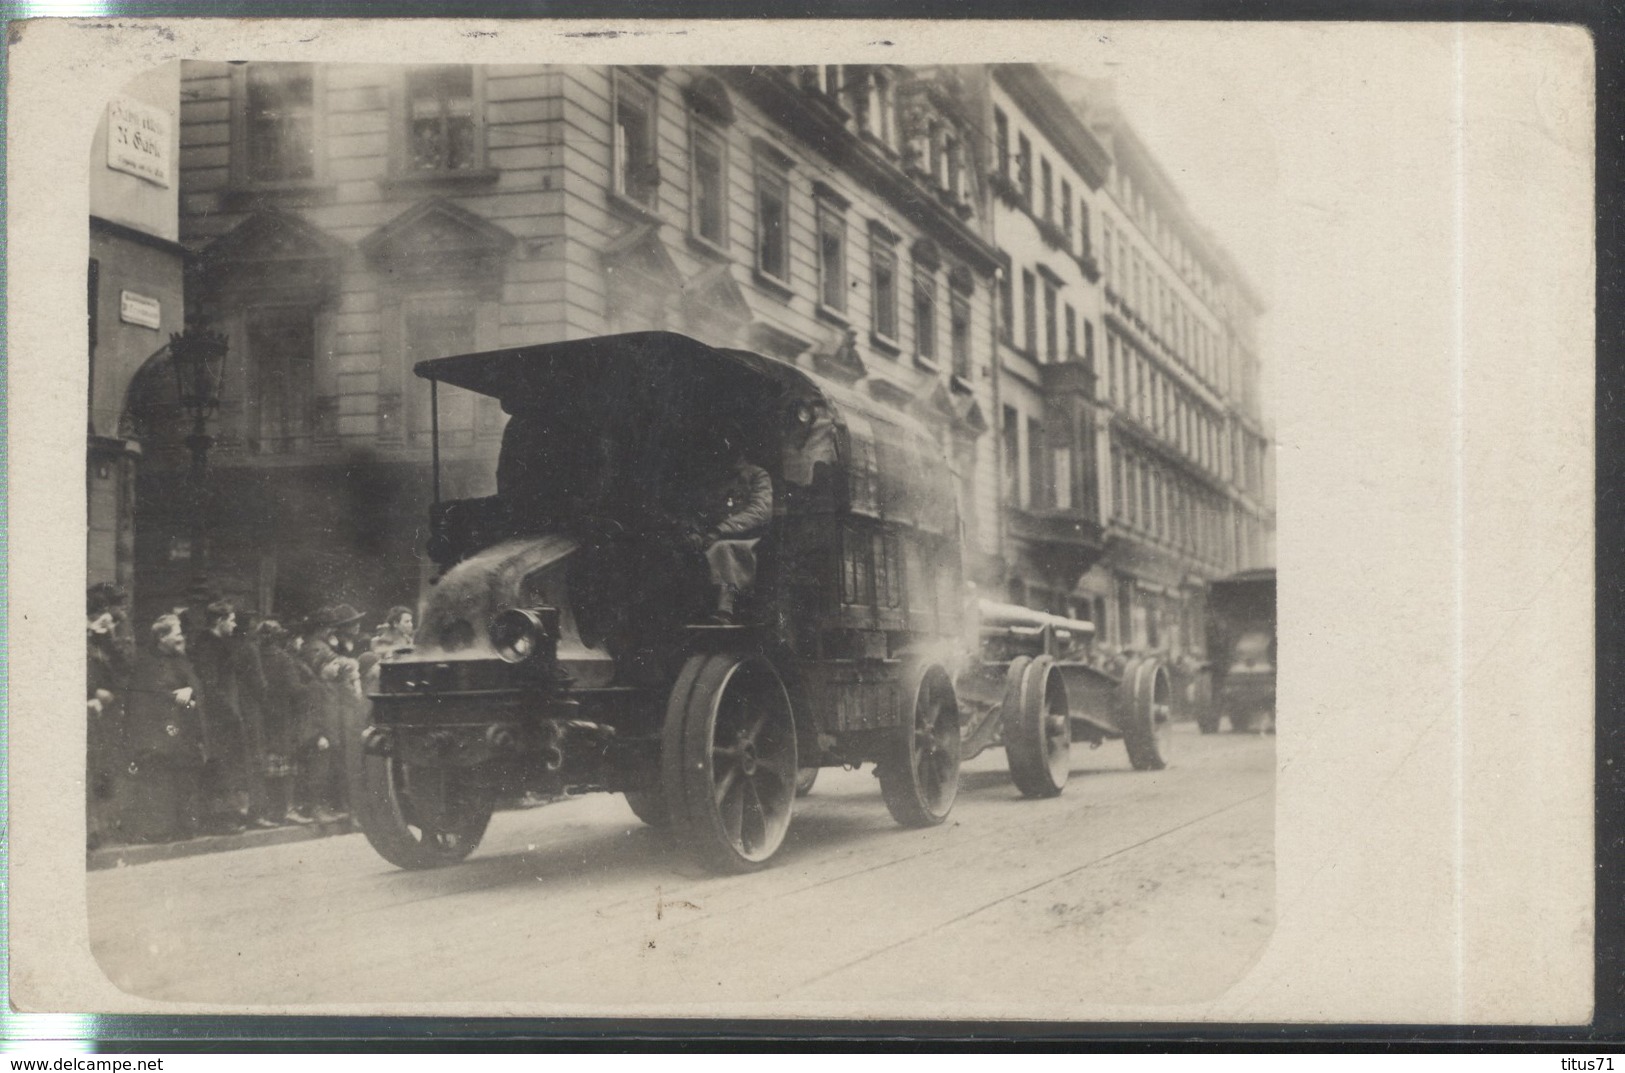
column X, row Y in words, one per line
column 1035, row 689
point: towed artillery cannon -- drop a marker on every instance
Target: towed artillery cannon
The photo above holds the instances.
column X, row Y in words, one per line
column 1034, row 691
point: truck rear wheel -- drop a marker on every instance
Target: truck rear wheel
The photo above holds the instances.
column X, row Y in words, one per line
column 1146, row 700
column 1037, row 730
column 919, row 775
column 649, row 807
column 729, row 761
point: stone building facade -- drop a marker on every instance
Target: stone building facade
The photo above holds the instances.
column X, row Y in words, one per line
column 1191, row 486
column 960, row 242
column 348, row 220
column 134, row 301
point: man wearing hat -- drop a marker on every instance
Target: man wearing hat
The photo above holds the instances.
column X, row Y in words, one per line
column 333, row 650
column 108, row 672
column 733, row 518
column 233, row 687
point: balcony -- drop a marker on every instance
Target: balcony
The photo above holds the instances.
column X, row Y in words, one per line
column 1071, row 377
column 1005, row 189
column 1067, row 540
column 1052, row 235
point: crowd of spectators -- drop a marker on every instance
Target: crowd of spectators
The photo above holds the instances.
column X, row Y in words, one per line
column 212, row 720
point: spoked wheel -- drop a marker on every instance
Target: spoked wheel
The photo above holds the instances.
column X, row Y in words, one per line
column 729, row 761
column 417, row 817
column 919, row 776
column 1037, row 732
column 1146, row 699
column 649, row 807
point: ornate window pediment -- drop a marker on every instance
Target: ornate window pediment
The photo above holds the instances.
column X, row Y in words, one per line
column 839, row 358
column 709, row 99
column 639, row 255
column 640, row 278
column 714, row 306
column 436, row 238
column 271, row 250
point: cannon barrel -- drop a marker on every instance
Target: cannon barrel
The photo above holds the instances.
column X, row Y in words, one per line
column 1001, row 617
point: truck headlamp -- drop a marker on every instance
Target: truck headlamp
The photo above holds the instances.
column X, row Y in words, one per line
column 519, row 633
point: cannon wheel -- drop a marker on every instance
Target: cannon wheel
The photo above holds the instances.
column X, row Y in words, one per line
column 415, row 817
column 1037, row 731
column 729, row 761
column 1145, row 697
column 919, row 773
column 649, row 807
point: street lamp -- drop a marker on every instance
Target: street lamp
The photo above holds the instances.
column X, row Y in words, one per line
column 198, row 356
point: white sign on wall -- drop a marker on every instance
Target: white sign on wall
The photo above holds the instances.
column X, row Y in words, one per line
column 139, row 309
column 138, row 139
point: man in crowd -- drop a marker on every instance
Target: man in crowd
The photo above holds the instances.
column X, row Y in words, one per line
column 164, row 740
column 107, row 673
column 233, row 686
column 333, row 652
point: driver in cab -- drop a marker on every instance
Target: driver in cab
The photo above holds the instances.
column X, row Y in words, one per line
column 736, row 508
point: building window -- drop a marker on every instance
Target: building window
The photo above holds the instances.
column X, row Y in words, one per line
column 925, row 318
column 433, row 329
column 1071, row 333
column 1111, row 265
column 1158, row 520
column 883, row 280
column 443, row 124
column 1010, row 430
column 708, row 159
column 1061, row 477
column 280, row 122
column 1089, row 342
column 1038, row 470
column 282, row 378
column 831, row 256
column 1145, row 497
column 1051, row 316
column 636, row 175
column 1047, row 187
column 1001, row 143
column 954, row 153
column 1113, row 379
column 1066, row 211
column 1083, row 229
column 1029, row 313
column 772, row 220
column 1024, row 168
column 1117, row 484
column 959, row 332
column 1131, row 491
column 878, row 121
column 936, row 162
column 1007, row 309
